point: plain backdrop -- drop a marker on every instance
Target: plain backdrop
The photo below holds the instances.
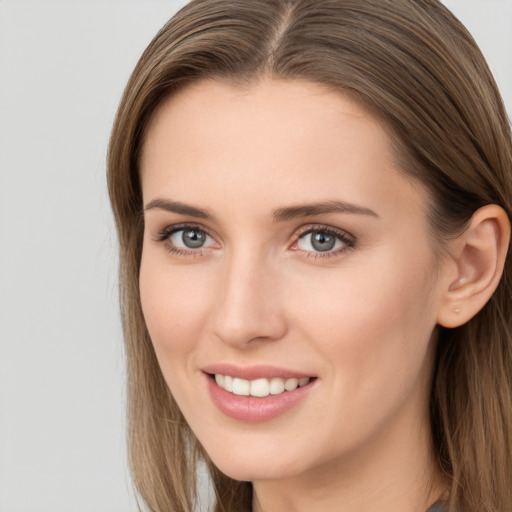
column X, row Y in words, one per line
column 63, row 66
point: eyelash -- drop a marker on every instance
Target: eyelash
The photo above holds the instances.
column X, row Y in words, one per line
column 164, row 236
column 348, row 240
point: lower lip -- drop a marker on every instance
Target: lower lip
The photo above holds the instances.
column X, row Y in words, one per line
column 254, row 409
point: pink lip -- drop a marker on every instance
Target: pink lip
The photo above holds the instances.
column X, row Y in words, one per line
column 253, row 372
column 253, row 409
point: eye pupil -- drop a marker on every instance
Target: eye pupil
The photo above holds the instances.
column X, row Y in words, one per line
column 322, row 242
column 193, row 238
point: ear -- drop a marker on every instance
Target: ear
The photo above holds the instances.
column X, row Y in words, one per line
column 479, row 255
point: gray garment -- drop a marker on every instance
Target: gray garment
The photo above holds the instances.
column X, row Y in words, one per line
column 437, row 507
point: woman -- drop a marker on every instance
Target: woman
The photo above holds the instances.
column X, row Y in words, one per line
column 313, row 203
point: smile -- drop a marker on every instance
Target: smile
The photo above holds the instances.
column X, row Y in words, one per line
column 258, row 393
column 259, row 387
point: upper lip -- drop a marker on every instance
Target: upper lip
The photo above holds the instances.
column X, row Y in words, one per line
column 253, row 372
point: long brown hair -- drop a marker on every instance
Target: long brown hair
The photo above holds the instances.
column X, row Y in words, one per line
column 413, row 64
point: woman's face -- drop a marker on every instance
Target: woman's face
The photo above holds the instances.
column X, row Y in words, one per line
column 282, row 248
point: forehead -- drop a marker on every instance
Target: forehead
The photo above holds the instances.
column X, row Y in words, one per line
column 289, row 141
column 279, row 109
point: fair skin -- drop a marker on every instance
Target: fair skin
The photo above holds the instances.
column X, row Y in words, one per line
column 354, row 308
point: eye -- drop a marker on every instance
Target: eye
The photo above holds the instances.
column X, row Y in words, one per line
column 189, row 238
column 185, row 239
column 324, row 240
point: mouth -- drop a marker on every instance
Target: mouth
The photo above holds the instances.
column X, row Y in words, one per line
column 257, row 394
column 260, row 388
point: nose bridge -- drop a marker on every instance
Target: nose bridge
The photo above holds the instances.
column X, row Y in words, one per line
column 247, row 307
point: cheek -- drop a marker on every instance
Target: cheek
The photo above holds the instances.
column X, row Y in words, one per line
column 175, row 304
column 372, row 322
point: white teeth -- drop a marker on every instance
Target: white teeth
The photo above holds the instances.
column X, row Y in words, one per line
column 228, row 383
column 291, row 384
column 276, row 386
column 303, row 381
column 259, row 387
column 241, row 387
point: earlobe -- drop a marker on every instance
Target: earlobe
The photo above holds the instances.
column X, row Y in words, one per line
column 479, row 255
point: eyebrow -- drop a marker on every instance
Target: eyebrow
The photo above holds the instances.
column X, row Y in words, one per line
column 310, row 210
column 181, row 208
column 279, row 215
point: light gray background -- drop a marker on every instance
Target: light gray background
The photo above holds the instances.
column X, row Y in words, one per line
column 63, row 66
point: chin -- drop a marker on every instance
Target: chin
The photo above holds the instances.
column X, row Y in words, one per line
column 250, row 468
column 248, row 473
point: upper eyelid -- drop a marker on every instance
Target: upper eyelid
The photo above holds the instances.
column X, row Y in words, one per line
column 303, row 230
column 174, row 228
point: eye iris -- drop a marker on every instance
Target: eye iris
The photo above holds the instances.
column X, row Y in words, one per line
column 193, row 238
column 322, row 242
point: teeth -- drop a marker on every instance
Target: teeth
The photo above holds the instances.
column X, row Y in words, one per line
column 228, row 383
column 291, row 384
column 276, row 386
column 303, row 381
column 259, row 387
column 241, row 387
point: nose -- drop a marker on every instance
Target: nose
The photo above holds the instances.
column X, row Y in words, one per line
column 248, row 308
